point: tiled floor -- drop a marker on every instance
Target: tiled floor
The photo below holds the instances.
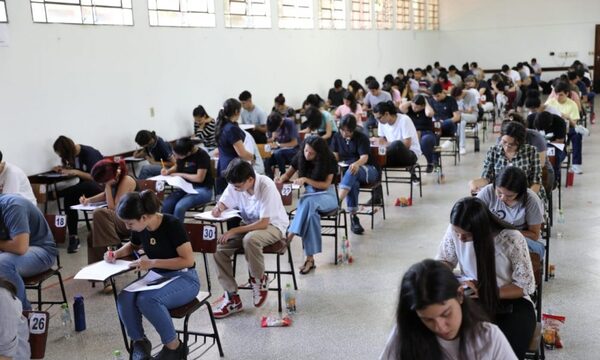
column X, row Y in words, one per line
column 346, row 312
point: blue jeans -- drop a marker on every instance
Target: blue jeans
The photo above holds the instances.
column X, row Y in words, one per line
column 149, row 170
column 179, row 201
column 14, row 267
column 536, row 247
column 448, row 128
column 577, row 145
column 428, row 142
column 307, row 221
column 280, row 158
column 154, row 305
column 366, row 174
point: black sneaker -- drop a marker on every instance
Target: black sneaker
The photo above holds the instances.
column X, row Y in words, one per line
column 73, row 244
column 355, row 225
column 429, row 169
column 167, row 354
column 141, row 350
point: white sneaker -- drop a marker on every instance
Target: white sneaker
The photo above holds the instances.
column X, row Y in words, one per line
column 447, row 145
column 463, row 151
column 580, row 129
column 577, row 169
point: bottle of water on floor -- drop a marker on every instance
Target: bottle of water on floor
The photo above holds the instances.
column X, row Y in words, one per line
column 65, row 317
column 561, row 223
column 117, row 355
column 290, row 299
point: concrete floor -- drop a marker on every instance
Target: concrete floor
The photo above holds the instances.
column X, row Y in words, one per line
column 346, row 312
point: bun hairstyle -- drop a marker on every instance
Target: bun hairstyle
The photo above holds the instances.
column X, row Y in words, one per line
column 134, row 205
column 65, row 148
column 199, row 112
column 230, row 108
column 280, row 99
column 143, row 137
column 106, row 170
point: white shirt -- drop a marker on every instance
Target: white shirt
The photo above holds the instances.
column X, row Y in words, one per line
column 265, row 203
column 255, row 116
column 403, row 128
column 14, row 181
column 251, row 147
column 470, row 101
column 14, row 331
column 514, row 75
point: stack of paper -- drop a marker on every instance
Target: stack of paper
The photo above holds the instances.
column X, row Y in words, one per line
column 176, row 181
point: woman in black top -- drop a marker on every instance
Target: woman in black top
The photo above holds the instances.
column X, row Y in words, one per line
column 193, row 165
column 77, row 160
column 421, row 114
column 169, row 254
column 316, row 167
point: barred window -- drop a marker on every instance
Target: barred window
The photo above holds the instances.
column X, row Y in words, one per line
column 433, row 15
column 296, row 14
column 254, row 14
column 183, row 13
column 418, row 10
column 332, row 14
column 3, row 16
column 361, row 14
column 384, row 14
column 403, row 15
column 87, row 12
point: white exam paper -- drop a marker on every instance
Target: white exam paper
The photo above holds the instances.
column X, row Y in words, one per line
column 142, row 284
column 176, row 181
column 102, row 270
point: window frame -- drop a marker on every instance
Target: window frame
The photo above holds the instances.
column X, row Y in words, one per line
column 157, row 11
column 333, row 20
column 368, row 22
column 422, row 8
column 386, row 12
column 248, row 23
column 311, row 19
column 433, row 13
column 78, row 3
column 5, row 11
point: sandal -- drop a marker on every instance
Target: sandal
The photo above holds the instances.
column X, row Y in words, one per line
column 308, row 266
column 108, row 289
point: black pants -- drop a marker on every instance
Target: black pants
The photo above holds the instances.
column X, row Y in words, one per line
column 399, row 155
column 71, row 197
column 517, row 325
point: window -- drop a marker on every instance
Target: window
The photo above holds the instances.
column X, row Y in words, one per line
column 3, row 17
column 332, row 14
column 418, row 8
column 186, row 13
column 361, row 14
column 296, row 14
column 88, row 12
column 403, row 15
column 433, row 15
column 247, row 14
column 384, row 14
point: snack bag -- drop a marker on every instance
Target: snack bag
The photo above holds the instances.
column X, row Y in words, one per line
column 275, row 321
column 550, row 330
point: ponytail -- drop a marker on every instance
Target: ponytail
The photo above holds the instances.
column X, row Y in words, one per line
column 230, row 108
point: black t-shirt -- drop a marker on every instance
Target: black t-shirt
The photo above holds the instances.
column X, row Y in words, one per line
column 489, row 97
column 558, row 128
column 316, row 170
column 197, row 160
column 164, row 241
column 160, row 150
column 421, row 121
column 87, row 158
column 444, row 109
column 352, row 149
column 336, row 97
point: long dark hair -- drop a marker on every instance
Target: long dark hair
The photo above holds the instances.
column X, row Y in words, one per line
column 426, row 283
column 230, row 107
column 352, row 99
column 513, row 179
column 65, row 148
column 356, row 87
column 317, row 169
column 472, row 215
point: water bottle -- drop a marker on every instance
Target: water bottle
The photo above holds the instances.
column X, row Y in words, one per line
column 117, row 355
column 344, row 255
column 290, row 299
column 79, row 313
column 561, row 222
column 65, row 317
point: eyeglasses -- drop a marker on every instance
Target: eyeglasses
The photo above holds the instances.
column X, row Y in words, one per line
column 508, row 145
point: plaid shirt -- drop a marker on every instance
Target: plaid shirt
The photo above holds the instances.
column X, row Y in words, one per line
column 526, row 159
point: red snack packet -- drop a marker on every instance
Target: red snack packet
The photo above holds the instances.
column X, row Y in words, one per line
column 551, row 330
column 275, row 321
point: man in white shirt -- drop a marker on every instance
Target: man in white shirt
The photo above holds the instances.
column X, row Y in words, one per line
column 512, row 74
column 398, row 133
column 14, row 181
column 467, row 100
column 265, row 222
column 253, row 115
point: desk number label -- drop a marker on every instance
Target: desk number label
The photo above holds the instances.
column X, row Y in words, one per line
column 209, row 233
column 60, row 221
column 286, row 190
column 37, row 323
column 382, row 150
column 550, row 151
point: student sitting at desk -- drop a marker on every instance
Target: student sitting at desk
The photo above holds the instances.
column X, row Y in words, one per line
column 282, row 109
column 168, row 252
column 230, row 139
column 352, row 147
column 495, row 258
column 14, row 181
column 193, row 165
column 204, row 127
column 316, row 168
column 317, row 124
column 251, row 114
column 108, row 229
column 26, row 243
column 284, row 139
column 351, row 106
column 421, row 113
column 265, row 222
column 77, row 160
column 155, row 150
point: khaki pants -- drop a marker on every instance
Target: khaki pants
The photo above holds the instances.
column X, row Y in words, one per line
column 253, row 243
column 108, row 230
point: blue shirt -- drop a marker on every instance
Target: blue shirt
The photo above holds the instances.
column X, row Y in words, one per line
column 161, row 150
column 350, row 150
column 18, row 216
column 287, row 132
column 87, row 158
column 444, row 109
column 230, row 134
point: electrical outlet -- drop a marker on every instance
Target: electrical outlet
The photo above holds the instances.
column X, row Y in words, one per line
column 152, row 111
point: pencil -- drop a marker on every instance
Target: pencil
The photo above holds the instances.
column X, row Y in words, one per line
column 162, row 163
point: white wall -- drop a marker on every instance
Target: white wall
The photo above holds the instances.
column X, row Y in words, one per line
column 495, row 32
column 96, row 84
